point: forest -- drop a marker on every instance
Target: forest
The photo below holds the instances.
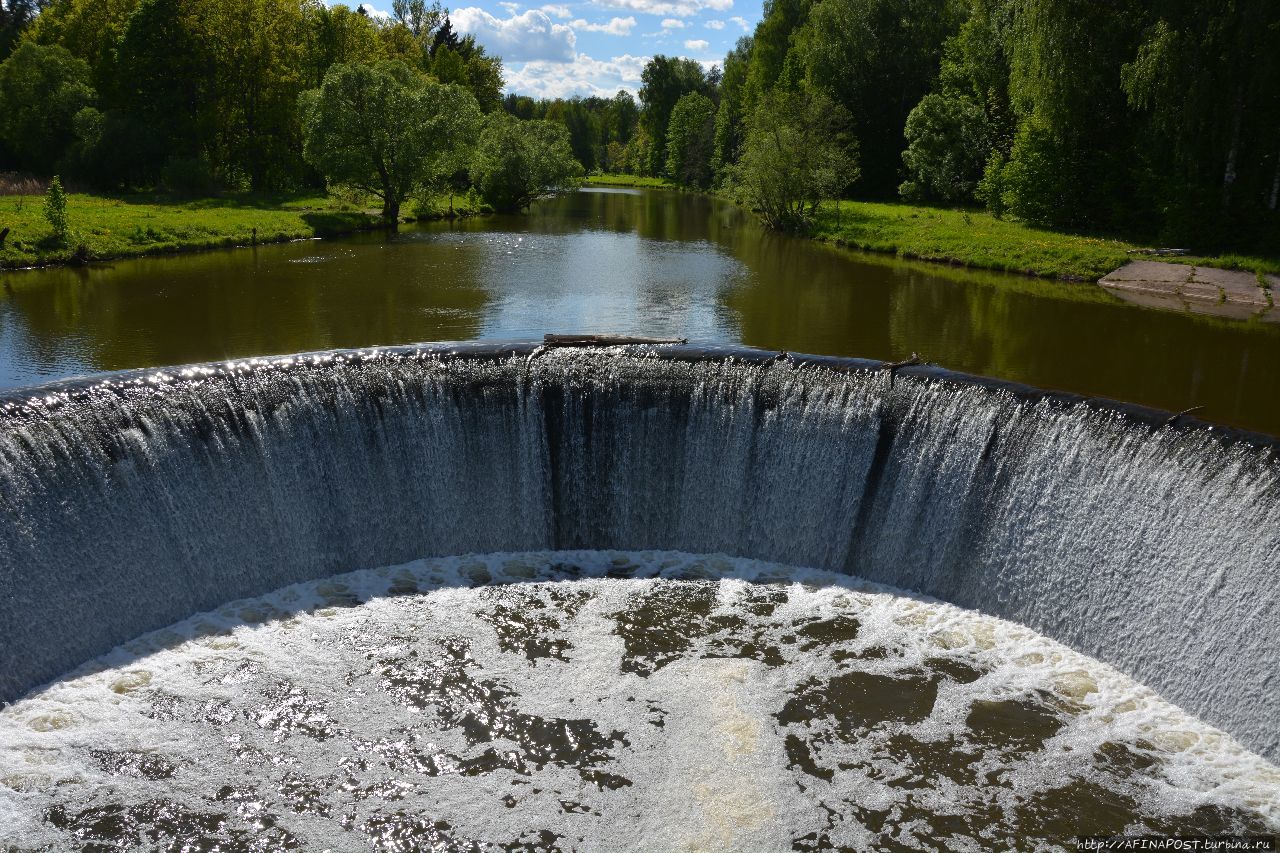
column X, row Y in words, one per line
column 1158, row 120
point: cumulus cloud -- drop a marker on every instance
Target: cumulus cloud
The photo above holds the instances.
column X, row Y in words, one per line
column 672, row 24
column 510, row 7
column 530, row 36
column 715, row 24
column 613, row 27
column 697, row 44
column 376, row 14
column 557, row 11
column 741, row 21
column 583, row 76
column 671, row 8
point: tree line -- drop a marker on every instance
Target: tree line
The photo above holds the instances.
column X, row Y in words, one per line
column 1155, row 118
column 1159, row 119
column 200, row 94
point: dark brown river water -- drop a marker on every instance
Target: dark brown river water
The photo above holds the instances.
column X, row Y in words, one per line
column 634, row 262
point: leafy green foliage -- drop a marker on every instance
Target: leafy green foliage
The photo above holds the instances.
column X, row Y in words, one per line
column 387, row 130
column 600, row 129
column 15, row 17
column 796, row 154
column 41, row 91
column 518, row 161
column 219, row 80
column 189, row 177
column 733, row 104
column 690, row 138
column 946, row 149
column 877, row 58
column 55, row 210
column 665, row 80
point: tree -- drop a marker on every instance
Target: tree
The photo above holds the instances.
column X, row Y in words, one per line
column 690, row 137
column 796, row 154
column 420, row 19
column 337, row 34
column 257, row 72
column 729, row 115
column 15, row 17
column 385, row 129
column 665, row 80
column 877, row 58
column 89, row 29
column 161, row 80
column 621, row 116
column 41, row 90
column 1205, row 84
column 518, row 161
column 445, row 37
column 947, row 149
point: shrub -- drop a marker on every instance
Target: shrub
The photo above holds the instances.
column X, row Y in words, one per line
column 55, row 209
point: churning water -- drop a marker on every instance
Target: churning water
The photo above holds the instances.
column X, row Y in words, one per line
column 415, row 704
column 610, row 701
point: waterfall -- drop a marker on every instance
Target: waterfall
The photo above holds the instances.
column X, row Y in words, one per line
column 134, row 500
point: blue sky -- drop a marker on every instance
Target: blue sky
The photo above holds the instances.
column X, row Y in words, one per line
column 596, row 47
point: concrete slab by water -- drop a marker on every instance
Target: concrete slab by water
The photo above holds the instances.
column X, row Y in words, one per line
column 1202, row 290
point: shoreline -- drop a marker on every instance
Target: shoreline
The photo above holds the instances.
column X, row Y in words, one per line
column 956, row 239
column 188, row 227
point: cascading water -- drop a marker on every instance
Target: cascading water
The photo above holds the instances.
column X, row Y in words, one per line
column 134, row 501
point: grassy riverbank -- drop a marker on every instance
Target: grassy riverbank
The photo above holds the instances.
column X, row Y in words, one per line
column 131, row 226
column 977, row 239
column 613, row 180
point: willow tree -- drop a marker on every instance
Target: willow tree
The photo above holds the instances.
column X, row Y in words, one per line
column 387, row 130
column 517, row 161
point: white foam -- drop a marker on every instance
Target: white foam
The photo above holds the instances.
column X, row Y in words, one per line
column 714, row 776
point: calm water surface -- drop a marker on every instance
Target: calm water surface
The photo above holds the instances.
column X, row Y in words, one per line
column 633, row 262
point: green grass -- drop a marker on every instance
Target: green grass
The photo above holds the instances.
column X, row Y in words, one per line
column 604, row 180
column 129, row 226
column 974, row 238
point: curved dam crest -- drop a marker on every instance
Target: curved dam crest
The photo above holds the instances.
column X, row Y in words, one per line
column 132, row 501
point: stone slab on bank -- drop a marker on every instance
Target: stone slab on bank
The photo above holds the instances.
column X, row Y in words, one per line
column 1203, row 290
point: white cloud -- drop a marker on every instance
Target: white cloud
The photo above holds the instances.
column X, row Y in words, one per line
column 614, row 27
column 672, row 24
column 510, row 7
column 697, row 44
column 671, row 8
column 376, row 14
column 525, row 37
column 557, row 11
column 582, row 76
column 741, row 21
column 714, row 24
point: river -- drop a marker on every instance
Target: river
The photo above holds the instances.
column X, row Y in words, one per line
column 641, row 262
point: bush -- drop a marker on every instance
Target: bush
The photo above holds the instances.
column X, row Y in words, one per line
column 990, row 189
column 55, row 210
column 947, row 143
column 188, row 176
